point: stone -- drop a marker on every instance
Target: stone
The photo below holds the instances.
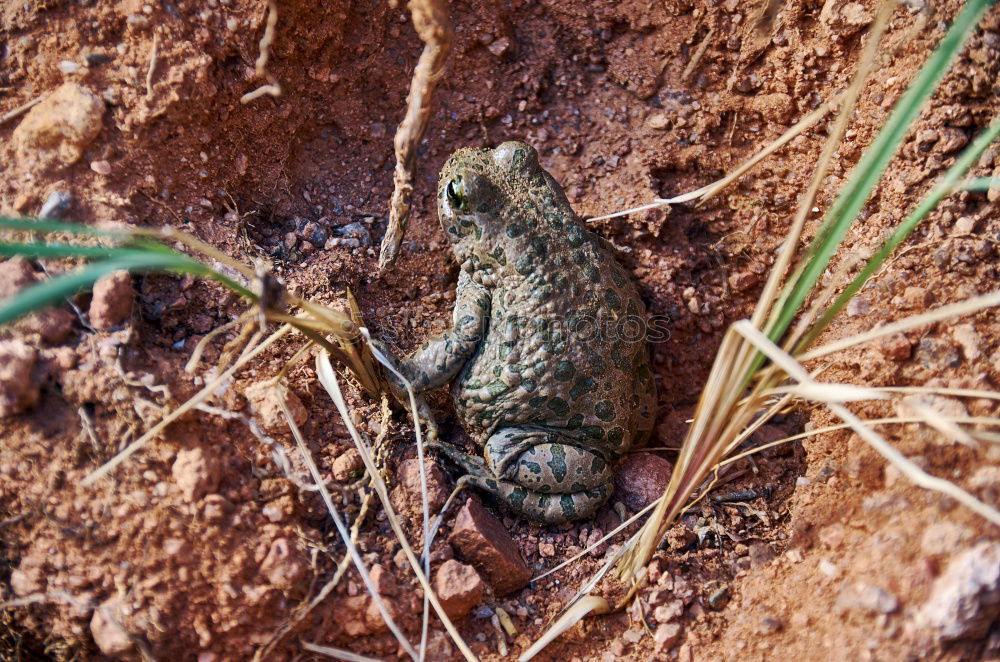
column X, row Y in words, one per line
column 107, row 630
column 57, row 130
column 196, row 473
column 458, row 587
column 669, row 612
column 666, row 635
column 866, row 597
column 18, row 387
column 112, row 301
column 985, row 482
column 969, row 340
column 265, row 402
column 917, row 298
column 896, row 347
column 283, row 566
column 480, row 540
column 941, row 538
column 406, row 496
column 641, row 479
column 761, row 554
column 50, row 325
column 843, row 19
column 348, row 466
column 57, row 204
column 965, row 599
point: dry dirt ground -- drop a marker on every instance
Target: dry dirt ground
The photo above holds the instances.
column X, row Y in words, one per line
column 202, row 548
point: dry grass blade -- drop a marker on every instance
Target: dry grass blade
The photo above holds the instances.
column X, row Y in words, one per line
column 941, row 423
column 336, row 653
column 328, row 378
column 590, row 604
column 958, row 309
column 917, row 475
column 431, row 20
column 352, row 549
column 705, row 192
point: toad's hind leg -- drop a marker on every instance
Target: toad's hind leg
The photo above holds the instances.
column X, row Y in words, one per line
column 539, row 474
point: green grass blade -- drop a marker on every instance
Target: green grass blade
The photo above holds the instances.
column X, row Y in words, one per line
column 55, row 290
column 58, row 250
column 49, row 227
column 978, row 184
column 873, row 163
column 946, row 186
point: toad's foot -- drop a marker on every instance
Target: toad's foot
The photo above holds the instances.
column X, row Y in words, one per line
column 538, row 473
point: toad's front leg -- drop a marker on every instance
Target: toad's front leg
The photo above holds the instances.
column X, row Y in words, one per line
column 440, row 358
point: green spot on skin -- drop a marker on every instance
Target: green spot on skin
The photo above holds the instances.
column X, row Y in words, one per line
column 529, row 385
column 568, row 506
column 538, row 245
column 496, row 388
column 533, row 467
column 614, row 301
column 515, row 230
column 564, row 371
column 557, row 463
column 524, row 265
column 618, row 276
column 604, row 410
column 558, row 406
column 536, row 401
column 581, row 386
column 615, row 436
column 505, row 349
column 516, row 498
column 574, row 422
column 593, row 273
column 598, row 466
column 594, row 432
column 575, row 235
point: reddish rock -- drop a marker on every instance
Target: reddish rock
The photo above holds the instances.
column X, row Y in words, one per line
column 57, row 130
column 265, row 401
column 283, row 566
column 18, row 388
column 667, row 635
column 896, row 347
column 458, row 588
column 196, row 473
column 50, row 325
column 106, row 628
column 112, row 301
column 641, row 478
column 348, row 466
column 480, row 539
column 965, row 599
column 406, row 495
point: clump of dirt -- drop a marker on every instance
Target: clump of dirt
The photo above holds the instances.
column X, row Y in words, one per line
column 208, row 542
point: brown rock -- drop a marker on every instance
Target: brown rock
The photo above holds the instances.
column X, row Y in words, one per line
column 761, row 553
column 406, row 495
column 458, row 587
column 51, row 325
column 965, row 599
column 348, row 465
column 112, row 301
column 917, row 297
column 265, row 401
column 480, row 539
column 107, row 630
column 57, row 130
column 18, row 388
column 641, row 478
column 667, row 635
column 896, row 347
column 283, row 566
column 196, row 473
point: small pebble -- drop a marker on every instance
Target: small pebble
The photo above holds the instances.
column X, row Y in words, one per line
column 57, row 204
column 68, row 67
column 101, row 167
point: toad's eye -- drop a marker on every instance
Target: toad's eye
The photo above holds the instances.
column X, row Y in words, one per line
column 456, row 193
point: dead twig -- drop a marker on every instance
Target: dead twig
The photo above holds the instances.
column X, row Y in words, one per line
column 260, row 66
column 20, row 109
column 153, row 55
column 431, row 20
